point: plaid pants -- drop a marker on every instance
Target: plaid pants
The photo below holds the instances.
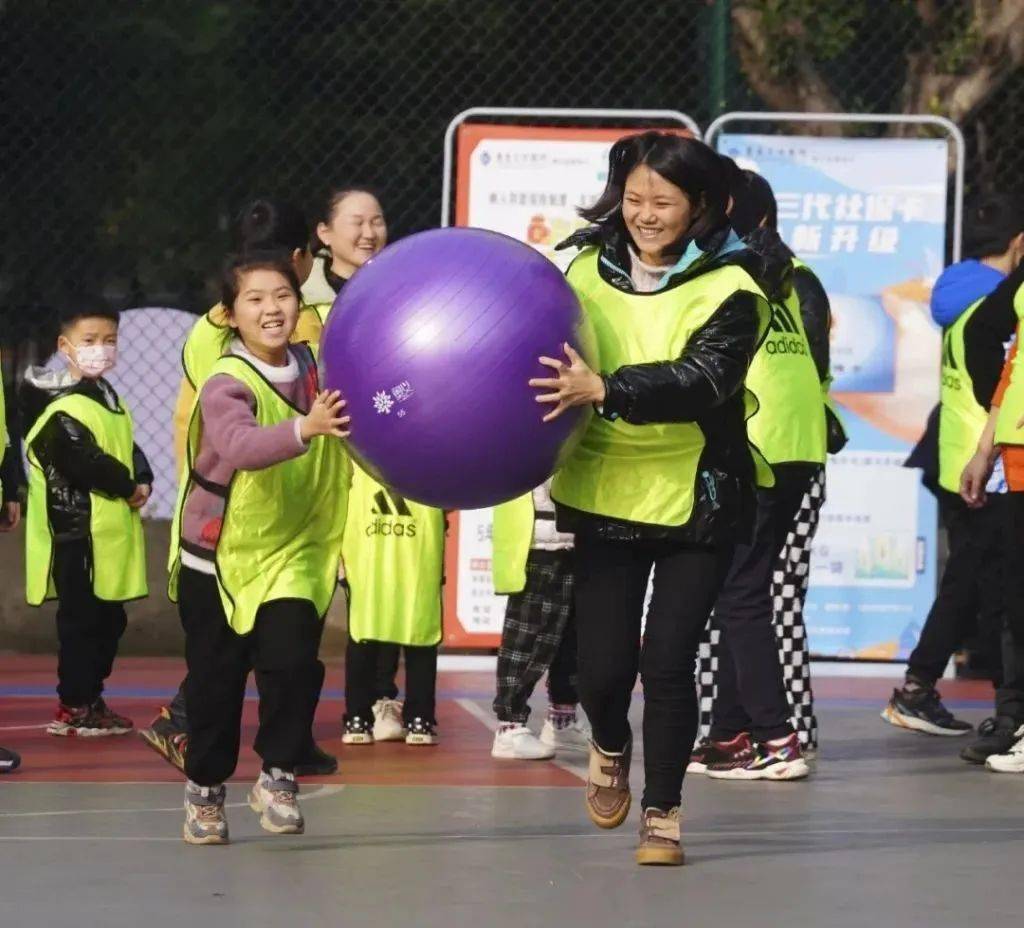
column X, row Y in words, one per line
column 789, row 590
column 539, row 635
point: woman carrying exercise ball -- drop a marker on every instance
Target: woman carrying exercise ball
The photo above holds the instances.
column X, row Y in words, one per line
column 663, row 477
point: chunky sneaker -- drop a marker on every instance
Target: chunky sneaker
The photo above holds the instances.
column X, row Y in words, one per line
column 87, row 722
column 275, row 798
column 420, row 731
column 717, row 752
column 995, row 736
column 659, row 838
column 517, row 742
column 608, row 796
column 164, row 737
column 1013, row 760
column 573, row 737
column 9, row 760
column 764, row 760
column 357, row 730
column 387, row 720
column 316, row 763
column 922, row 710
column 205, row 822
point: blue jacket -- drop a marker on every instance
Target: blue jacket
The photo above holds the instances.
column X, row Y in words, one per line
column 960, row 285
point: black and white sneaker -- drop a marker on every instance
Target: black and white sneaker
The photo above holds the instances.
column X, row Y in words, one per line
column 357, row 730
column 420, row 731
column 9, row 760
column 922, row 710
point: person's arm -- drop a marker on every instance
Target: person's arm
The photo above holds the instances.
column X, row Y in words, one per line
column 70, row 448
column 979, row 468
column 816, row 314
column 985, row 335
column 710, row 370
column 229, row 424
column 141, row 467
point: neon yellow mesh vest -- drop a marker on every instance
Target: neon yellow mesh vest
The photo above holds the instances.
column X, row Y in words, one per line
column 642, row 473
column 789, row 424
column 961, row 418
column 115, row 529
column 511, row 539
column 282, row 527
column 394, row 562
column 1012, row 410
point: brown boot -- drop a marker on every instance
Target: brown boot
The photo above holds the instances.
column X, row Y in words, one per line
column 659, row 838
column 608, row 796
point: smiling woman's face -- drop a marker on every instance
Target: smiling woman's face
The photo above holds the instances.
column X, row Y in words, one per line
column 657, row 213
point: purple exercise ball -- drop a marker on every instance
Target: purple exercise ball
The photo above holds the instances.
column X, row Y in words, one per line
column 432, row 343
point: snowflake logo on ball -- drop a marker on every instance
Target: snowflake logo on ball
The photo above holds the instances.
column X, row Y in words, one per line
column 382, row 403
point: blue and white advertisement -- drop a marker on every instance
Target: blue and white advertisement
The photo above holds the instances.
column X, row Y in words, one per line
column 868, row 216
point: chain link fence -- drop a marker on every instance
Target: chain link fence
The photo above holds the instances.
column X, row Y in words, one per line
column 130, row 132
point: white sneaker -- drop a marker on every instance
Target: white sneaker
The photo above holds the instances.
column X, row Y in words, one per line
column 1013, row 760
column 387, row 720
column 520, row 743
column 275, row 800
column 574, row 737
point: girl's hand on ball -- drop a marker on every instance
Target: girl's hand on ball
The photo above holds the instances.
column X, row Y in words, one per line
column 325, row 417
column 575, row 385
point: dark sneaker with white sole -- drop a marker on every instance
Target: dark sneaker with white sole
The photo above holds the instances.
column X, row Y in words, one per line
column 922, row 710
column 995, row 736
column 9, row 760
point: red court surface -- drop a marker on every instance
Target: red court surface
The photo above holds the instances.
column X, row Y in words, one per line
column 139, row 686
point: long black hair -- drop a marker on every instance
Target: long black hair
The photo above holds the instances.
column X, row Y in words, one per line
column 687, row 163
column 753, row 200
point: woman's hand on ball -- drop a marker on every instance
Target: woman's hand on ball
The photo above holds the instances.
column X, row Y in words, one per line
column 325, row 417
column 575, row 384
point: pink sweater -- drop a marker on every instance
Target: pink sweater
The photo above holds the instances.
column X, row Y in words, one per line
column 232, row 440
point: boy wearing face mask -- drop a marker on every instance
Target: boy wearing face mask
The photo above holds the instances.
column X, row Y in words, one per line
column 84, row 545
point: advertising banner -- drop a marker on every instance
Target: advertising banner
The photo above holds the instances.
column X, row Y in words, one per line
column 868, row 216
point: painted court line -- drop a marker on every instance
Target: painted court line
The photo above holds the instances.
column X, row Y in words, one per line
column 320, row 792
column 786, row 833
column 490, row 722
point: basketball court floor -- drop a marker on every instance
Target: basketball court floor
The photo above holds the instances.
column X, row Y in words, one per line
column 893, row 829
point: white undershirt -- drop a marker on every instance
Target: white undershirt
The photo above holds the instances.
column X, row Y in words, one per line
column 646, row 277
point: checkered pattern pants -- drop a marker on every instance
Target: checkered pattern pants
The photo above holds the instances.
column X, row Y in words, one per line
column 789, row 590
column 539, row 635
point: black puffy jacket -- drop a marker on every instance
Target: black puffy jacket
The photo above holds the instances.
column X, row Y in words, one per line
column 72, row 461
column 703, row 385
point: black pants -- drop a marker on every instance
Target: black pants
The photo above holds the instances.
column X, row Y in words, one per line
column 611, row 583
column 1010, row 688
column 970, row 592
column 363, row 665
column 281, row 649
column 88, row 629
column 538, row 636
column 751, row 692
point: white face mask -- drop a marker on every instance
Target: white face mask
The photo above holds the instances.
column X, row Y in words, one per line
column 95, row 360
